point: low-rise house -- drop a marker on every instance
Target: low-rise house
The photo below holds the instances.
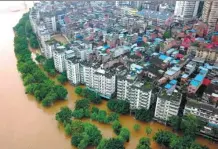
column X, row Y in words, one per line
column 197, row 81
column 172, row 73
column 190, row 68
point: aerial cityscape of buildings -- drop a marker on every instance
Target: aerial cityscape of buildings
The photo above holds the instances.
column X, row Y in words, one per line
column 143, row 52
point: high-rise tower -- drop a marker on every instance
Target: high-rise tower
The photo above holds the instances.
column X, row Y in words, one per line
column 210, row 14
column 186, row 9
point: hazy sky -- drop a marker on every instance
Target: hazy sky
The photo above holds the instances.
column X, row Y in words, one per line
column 13, row 4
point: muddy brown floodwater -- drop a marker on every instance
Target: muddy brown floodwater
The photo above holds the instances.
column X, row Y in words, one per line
column 25, row 124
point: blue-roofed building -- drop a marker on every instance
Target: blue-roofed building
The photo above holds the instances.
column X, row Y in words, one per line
column 199, row 78
column 172, row 73
column 162, row 57
column 173, row 82
column 167, row 86
column 197, row 81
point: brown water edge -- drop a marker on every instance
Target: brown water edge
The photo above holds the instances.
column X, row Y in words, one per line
column 126, row 121
column 23, row 125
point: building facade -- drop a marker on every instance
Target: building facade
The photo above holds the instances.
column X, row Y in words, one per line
column 73, row 70
column 59, row 59
column 167, row 106
column 186, row 9
column 210, row 14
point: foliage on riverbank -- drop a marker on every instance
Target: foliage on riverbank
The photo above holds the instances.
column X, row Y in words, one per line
column 83, row 134
column 47, row 64
column 82, row 110
column 190, row 125
column 172, row 141
column 35, row 81
column 119, row 106
column 24, row 27
column 144, row 143
column 94, row 97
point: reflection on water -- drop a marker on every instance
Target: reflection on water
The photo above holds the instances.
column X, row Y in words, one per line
column 26, row 124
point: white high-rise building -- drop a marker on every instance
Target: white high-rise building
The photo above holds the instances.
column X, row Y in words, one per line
column 50, row 23
column 104, row 82
column 137, row 93
column 73, row 70
column 50, row 46
column 59, row 58
column 186, row 9
column 167, row 106
column 210, row 14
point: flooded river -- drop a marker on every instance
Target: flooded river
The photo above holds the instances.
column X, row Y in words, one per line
column 25, row 124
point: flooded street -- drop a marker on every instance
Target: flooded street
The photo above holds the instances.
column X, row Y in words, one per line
column 25, row 124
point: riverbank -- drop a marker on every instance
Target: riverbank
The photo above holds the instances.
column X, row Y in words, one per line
column 24, row 124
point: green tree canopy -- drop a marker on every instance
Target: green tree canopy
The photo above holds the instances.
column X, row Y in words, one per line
column 136, row 127
column 175, row 122
column 119, row 106
column 144, row 143
column 111, row 143
column 78, row 90
column 64, row 115
column 143, row 115
column 62, row 78
column 82, row 104
column 190, row 125
column 116, row 126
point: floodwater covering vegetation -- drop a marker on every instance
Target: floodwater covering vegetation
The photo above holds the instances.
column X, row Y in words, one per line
column 35, row 81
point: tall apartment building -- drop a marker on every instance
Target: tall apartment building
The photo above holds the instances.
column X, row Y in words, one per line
column 59, row 58
column 137, row 92
column 87, row 70
column 210, row 14
column 104, row 82
column 43, row 35
column 100, row 80
column 167, row 106
column 186, row 9
column 49, row 48
column 204, row 111
column 60, row 54
column 34, row 17
column 50, row 22
column 73, row 70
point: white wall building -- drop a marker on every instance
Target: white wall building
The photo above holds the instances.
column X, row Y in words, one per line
column 104, row 82
column 137, row 93
column 73, row 70
column 186, row 9
column 59, row 58
column 50, row 22
column 50, row 46
column 167, row 106
column 210, row 13
column 205, row 112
